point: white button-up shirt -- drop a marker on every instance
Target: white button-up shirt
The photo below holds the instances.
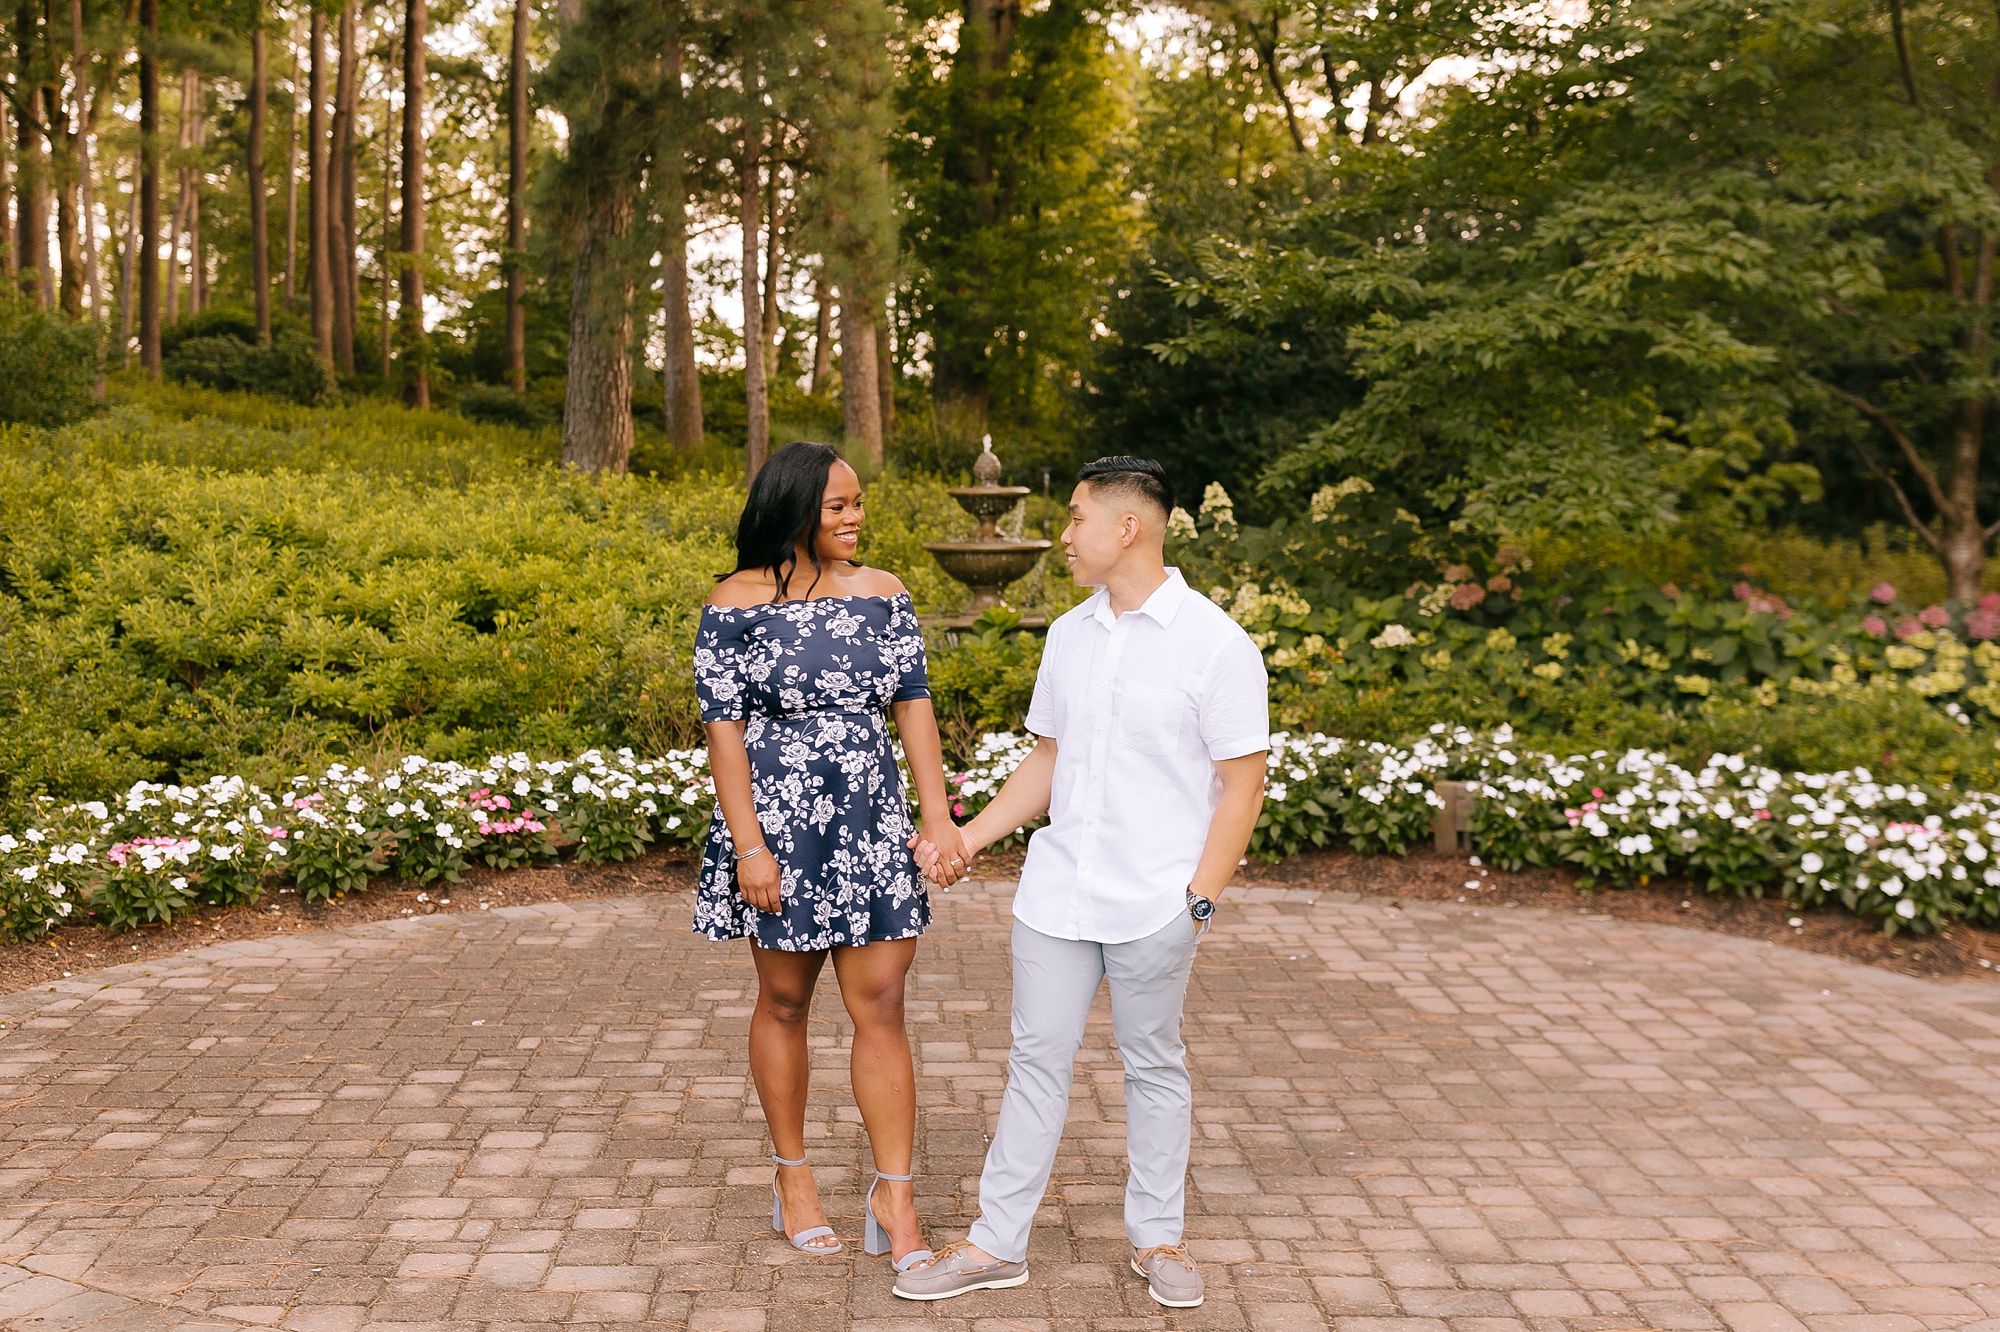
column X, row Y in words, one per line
column 1141, row 707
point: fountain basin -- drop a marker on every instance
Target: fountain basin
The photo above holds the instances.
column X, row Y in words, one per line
column 986, row 566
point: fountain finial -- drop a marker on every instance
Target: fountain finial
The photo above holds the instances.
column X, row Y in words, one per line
column 986, row 467
column 988, row 561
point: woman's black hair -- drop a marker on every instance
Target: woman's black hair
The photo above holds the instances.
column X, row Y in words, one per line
column 784, row 506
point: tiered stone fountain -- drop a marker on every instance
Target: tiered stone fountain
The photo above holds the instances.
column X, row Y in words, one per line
column 989, row 561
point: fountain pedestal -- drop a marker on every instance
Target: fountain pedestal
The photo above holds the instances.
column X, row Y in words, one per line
column 989, row 560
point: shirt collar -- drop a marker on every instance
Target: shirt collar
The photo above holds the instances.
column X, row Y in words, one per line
column 1161, row 607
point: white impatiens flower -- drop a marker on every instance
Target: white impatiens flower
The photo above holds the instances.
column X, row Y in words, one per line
column 1393, row 636
column 1811, row 862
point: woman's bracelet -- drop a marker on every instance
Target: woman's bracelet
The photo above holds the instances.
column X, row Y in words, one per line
column 756, row 850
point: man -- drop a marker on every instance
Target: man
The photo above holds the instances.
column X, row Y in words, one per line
column 1152, row 720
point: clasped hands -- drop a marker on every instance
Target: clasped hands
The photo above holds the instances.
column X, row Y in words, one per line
column 942, row 853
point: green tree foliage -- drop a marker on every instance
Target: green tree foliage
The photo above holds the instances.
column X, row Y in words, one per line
column 1016, row 217
column 1211, row 158
column 1678, row 233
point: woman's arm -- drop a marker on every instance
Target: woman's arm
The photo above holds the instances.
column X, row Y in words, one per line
column 916, row 722
column 762, row 882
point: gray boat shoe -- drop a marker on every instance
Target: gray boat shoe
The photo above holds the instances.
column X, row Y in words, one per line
column 954, row 1271
column 1171, row 1278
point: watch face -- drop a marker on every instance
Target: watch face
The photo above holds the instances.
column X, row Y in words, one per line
column 1201, row 908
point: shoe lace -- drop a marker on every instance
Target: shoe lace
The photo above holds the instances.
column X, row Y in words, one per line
column 1177, row 1252
column 944, row 1254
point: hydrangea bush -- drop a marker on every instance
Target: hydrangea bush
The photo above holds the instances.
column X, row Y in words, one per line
column 1310, row 593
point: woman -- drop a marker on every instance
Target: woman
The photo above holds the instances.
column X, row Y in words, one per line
column 804, row 654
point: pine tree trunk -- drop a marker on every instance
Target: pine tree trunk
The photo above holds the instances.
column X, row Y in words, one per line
column 680, row 376
column 128, row 271
column 340, row 214
column 388, row 236
column 517, row 202
column 86, row 125
column 62, row 158
column 774, row 267
column 319, row 193
column 260, row 234
column 292, row 186
column 416, row 349
column 860, row 394
column 597, row 407
column 822, row 365
column 756, row 398
column 885, row 378
column 197, row 261
column 7, row 265
column 178, row 228
column 149, row 188
column 32, row 193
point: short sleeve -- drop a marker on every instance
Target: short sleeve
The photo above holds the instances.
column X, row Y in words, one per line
column 1042, row 719
column 719, row 681
column 906, row 648
column 1235, row 709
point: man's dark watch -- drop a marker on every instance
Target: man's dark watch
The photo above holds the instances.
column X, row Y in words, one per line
column 1199, row 907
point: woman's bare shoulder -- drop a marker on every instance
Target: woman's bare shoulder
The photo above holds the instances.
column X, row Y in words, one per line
column 743, row 589
column 869, row 582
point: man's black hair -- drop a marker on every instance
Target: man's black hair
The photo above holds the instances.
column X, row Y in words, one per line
column 1134, row 478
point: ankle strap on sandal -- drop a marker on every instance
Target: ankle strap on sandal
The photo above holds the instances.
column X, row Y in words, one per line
column 783, row 1162
column 894, row 1179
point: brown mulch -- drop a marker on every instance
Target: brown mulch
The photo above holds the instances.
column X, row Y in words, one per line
column 1422, row 876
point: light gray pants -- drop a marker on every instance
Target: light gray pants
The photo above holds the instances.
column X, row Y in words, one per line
column 1054, row 983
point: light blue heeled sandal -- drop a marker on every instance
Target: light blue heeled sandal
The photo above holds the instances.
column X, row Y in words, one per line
column 800, row 1241
column 876, row 1239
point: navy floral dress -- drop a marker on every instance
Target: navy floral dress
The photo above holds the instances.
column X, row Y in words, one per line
column 813, row 681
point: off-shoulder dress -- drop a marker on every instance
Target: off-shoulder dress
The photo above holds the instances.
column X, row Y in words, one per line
column 812, row 682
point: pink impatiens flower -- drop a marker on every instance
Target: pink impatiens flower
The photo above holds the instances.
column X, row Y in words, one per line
column 1874, row 626
column 1982, row 624
column 1990, row 602
column 1907, row 629
column 1937, row 617
column 1882, row 593
column 1467, row 595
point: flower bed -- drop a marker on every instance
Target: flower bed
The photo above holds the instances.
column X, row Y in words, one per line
column 159, row 851
column 1914, row 856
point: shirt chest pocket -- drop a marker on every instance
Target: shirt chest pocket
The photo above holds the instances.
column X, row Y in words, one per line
column 1149, row 718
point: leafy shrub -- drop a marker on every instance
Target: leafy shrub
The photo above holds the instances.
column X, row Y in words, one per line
column 50, row 365
column 290, row 368
column 494, row 404
column 220, row 321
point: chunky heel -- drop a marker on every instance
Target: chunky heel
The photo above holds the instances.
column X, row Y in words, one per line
column 875, row 1239
column 875, row 1236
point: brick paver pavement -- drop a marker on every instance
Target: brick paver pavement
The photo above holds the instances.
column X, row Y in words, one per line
column 1424, row 1120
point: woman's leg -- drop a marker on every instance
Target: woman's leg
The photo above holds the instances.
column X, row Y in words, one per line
column 885, row 1081
column 781, row 1067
